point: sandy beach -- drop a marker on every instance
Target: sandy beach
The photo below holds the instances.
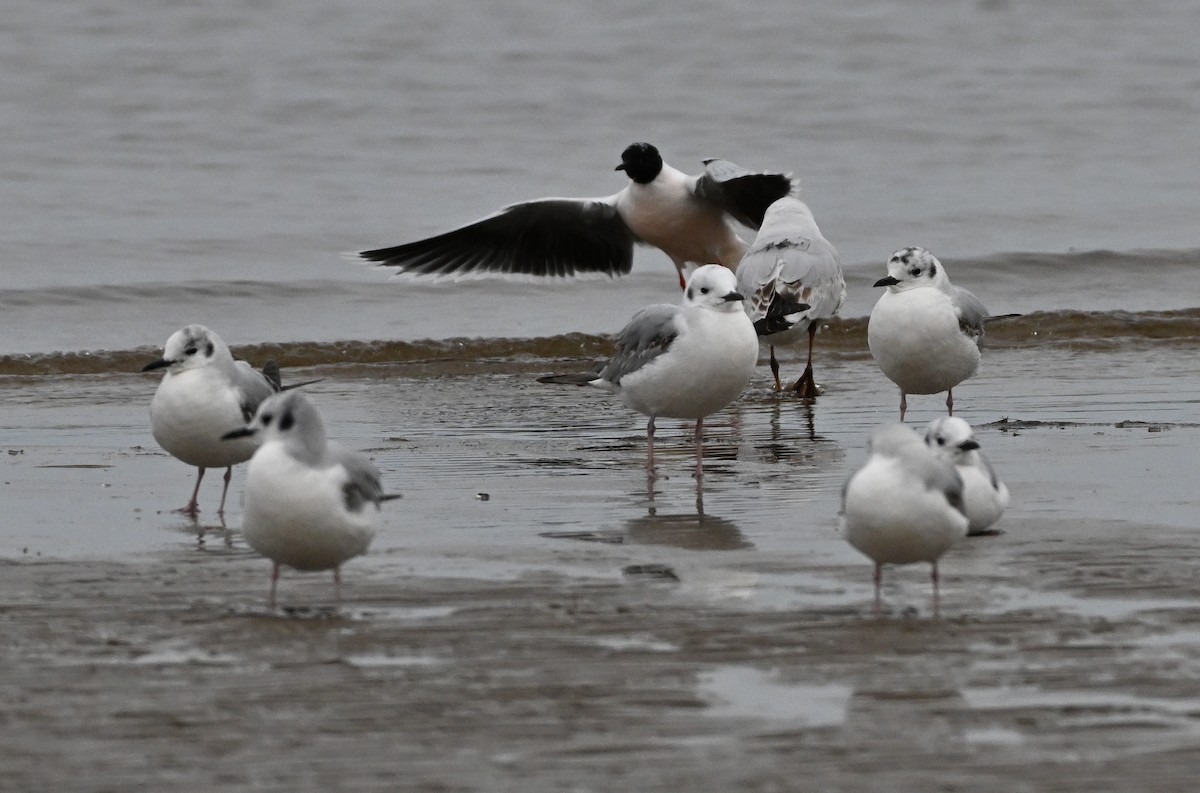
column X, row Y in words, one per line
column 532, row 617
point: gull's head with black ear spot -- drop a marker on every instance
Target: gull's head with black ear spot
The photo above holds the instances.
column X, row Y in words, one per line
column 288, row 417
column 713, row 286
column 190, row 347
column 913, row 267
column 951, row 436
column 641, row 162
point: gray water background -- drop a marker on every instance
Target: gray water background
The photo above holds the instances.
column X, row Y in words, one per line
column 168, row 162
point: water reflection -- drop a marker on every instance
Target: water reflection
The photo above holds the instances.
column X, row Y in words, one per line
column 210, row 536
column 696, row 532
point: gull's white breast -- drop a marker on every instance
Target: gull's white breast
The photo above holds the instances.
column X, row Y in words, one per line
column 296, row 515
column 190, row 412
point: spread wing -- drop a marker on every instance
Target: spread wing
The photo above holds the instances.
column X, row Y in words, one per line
column 546, row 237
column 743, row 194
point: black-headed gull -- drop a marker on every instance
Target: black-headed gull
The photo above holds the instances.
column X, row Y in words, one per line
column 682, row 361
column 790, row 263
column 924, row 332
column 905, row 505
column 310, row 504
column 688, row 217
column 205, row 394
column 985, row 497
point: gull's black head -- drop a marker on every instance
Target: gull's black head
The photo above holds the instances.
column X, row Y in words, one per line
column 641, row 162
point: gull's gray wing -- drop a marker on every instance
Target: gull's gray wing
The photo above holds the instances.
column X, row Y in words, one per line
column 938, row 475
column 546, row 237
column 648, row 335
column 252, row 387
column 971, row 312
column 743, row 194
column 362, row 485
column 986, row 465
column 770, row 310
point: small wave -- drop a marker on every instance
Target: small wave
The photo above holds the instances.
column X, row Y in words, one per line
column 317, row 354
column 1084, row 330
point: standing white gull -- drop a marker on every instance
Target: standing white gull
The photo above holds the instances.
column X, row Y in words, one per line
column 924, row 332
column 688, row 217
column 788, row 264
column 205, row 394
column 905, row 505
column 310, row 504
column 681, row 361
column 985, row 497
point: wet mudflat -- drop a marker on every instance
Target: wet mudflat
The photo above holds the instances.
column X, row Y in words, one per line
column 581, row 629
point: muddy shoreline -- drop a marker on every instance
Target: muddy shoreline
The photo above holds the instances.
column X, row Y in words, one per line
column 579, row 631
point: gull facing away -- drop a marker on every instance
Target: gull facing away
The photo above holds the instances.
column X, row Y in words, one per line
column 790, row 263
column 310, row 504
column 688, row 217
column 205, row 394
column 681, row 361
column 985, row 497
column 905, row 505
column 923, row 332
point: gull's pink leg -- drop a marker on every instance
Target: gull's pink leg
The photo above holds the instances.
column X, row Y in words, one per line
column 225, row 490
column 274, row 581
column 775, row 368
column 937, row 595
column 650, row 446
column 193, row 506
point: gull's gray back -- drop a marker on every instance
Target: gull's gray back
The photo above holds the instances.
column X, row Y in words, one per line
column 791, row 258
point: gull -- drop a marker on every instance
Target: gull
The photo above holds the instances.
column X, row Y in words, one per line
column 205, row 394
column 985, row 497
column 905, row 505
column 682, row 361
column 310, row 504
column 923, row 332
column 688, row 217
column 790, row 263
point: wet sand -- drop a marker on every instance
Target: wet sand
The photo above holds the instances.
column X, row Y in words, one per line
column 577, row 631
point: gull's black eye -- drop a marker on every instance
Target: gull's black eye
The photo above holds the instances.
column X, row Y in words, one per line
column 941, row 441
column 190, row 351
column 915, row 271
column 704, row 290
column 267, row 419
